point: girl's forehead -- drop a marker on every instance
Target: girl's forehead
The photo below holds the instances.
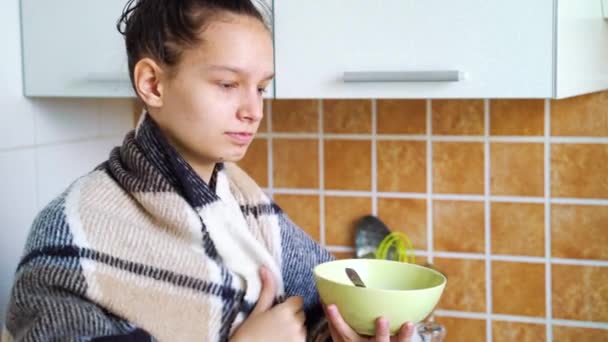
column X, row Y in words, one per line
column 234, row 27
column 243, row 45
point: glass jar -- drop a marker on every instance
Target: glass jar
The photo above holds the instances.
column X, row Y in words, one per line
column 431, row 331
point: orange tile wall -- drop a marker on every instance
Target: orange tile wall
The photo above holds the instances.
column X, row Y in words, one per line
column 509, row 198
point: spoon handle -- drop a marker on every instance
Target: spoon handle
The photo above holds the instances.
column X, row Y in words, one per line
column 354, row 277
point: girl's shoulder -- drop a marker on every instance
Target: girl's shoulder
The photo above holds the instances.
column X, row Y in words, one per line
column 51, row 226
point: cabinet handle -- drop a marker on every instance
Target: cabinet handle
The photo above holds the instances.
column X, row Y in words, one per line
column 107, row 78
column 404, row 76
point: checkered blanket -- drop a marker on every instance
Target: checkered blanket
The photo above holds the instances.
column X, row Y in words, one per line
column 143, row 249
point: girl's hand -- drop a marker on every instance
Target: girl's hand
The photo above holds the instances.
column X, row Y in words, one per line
column 340, row 331
column 283, row 322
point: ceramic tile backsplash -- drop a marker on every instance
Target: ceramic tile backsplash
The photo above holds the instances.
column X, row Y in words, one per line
column 510, row 297
column 16, row 129
column 462, row 329
column 515, row 331
column 341, row 215
column 401, row 116
column 401, row 166
column 579, row 170
column 63, row 119
column 405, row 215
column 347, row 116
column 115, row 116
column 516, row 169
column 575, row 226
column 580, row 116
column 517, row 229
column 256, row 161
column 295, row 116
column 263, row 125
column 517, row 117
column 347, row 164
column 295, row 163
column 303, row 210
column 344, row 255
column 18, row 207
column 580, row 292
column 458, row 117
column 458, row 168
column 573, row 334
column 466, row 287
column 453, row 220
column 509, row 198
column 368, row 156
column 54, row 177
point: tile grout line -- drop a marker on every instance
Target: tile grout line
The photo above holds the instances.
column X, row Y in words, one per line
column 443, row 138
column 429, row 181
column 63, row 142
column 269, row 148
column 497, row 257
column 374, row 159
column 99, row 117
column 579, row 262
column 577, row 201
column 37, row 178
column 487, row 219
column 547, row 183
column 36, row 162
column 579, row 324
column 447, row 197
column 321, row 175
column 522, row 319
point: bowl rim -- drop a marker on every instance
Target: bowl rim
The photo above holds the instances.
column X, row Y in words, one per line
column 317, row 275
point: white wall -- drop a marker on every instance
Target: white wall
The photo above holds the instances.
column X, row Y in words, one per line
column 44, row 145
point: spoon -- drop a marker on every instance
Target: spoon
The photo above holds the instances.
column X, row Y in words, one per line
column 354, row 277
column 370, row 232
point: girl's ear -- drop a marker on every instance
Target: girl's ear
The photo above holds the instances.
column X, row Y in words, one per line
column 147, row 76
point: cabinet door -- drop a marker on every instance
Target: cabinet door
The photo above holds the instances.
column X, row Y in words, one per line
column 71, row 48
column 414, row 48
column 582, row 47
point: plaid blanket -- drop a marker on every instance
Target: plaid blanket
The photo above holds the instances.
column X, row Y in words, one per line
column 143, row 249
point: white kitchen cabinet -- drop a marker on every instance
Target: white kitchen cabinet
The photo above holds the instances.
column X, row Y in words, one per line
column 71, row 48
column 440, row 48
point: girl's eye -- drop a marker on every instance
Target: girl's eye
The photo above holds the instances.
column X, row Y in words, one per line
column 227, row 85
column 262, row 90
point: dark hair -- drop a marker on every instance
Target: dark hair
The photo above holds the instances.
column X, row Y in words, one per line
column 162, row 29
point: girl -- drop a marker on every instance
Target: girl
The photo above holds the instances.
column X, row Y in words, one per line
column 169, row 240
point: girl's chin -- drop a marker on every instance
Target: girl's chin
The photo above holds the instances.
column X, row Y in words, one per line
column 234, row 155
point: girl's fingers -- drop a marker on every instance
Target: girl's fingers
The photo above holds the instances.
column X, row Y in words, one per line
column 339, row 325
column 383, row 333
column 406, row 332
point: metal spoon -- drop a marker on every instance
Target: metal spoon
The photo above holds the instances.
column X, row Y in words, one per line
column 354, row 277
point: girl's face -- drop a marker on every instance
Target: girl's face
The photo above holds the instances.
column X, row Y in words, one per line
column 212, row 102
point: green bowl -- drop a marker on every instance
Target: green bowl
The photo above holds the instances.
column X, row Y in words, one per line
column 400, row 292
